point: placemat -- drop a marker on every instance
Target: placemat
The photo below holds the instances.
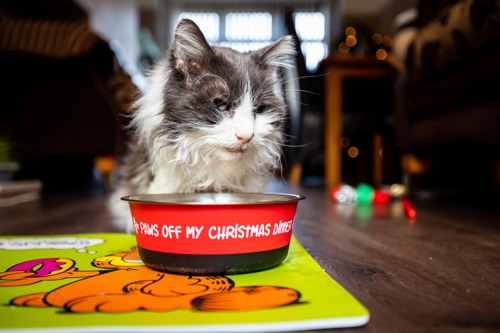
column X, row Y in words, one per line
column 95, row 282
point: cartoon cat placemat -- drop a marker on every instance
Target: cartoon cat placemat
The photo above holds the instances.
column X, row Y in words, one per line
column 96, row 282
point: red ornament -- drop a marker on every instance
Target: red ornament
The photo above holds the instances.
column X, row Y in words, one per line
column 381, row 197
column 409, row 210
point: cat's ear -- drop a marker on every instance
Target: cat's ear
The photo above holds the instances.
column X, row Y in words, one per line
column 189, row 48
column 279, row 54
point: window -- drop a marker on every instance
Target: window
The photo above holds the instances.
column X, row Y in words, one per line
column 249, row 26
column 311, row 31
column 246, row 30
column 207, row 22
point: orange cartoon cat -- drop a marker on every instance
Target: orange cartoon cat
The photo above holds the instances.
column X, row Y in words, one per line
column 127, row 284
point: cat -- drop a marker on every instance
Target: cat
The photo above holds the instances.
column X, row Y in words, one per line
column 211, row 120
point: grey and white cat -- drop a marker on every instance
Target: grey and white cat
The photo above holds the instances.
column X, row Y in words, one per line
column 210, row 121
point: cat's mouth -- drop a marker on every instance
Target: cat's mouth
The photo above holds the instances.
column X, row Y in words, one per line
column 238, row 149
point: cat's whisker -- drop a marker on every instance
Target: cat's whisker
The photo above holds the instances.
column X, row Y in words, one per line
column 289, row 136
column 297, row 146
column 308, row 92
column 316, row 76
column 205, row 75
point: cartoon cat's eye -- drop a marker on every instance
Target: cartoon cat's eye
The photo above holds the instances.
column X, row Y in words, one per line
column 220, row 104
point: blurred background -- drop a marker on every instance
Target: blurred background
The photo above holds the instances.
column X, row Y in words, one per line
column 384, row 91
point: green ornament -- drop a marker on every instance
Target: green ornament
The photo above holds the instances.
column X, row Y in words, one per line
column 365, row 193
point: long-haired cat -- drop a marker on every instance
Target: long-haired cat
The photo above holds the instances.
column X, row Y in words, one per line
column 211, row 120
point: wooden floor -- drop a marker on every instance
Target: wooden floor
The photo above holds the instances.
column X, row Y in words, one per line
column 437, row 273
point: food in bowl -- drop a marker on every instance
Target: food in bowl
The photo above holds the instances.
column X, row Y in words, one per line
column 213, row 233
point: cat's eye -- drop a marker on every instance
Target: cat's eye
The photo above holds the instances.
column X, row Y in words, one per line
column 220, row 104
column 261, row 108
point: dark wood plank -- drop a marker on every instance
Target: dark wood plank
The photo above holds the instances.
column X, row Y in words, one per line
column 57, row 214
column 437, row 273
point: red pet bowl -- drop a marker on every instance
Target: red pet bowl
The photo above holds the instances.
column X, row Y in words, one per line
column 213, row 233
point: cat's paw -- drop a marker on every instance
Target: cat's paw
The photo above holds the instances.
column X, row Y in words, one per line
column 120, row 213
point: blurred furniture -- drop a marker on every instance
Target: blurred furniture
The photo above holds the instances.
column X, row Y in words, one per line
column 339, row 69
column 63, row 91
column 448, row 109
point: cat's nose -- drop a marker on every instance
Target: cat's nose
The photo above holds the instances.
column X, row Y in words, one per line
column 244, row 138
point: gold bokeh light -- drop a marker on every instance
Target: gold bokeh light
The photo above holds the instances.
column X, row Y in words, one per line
column 353, row 152
column 381, row 54
column 350, row 31
column 344, row 142
column 344, row 48
column 351, row 40
column 376, row 38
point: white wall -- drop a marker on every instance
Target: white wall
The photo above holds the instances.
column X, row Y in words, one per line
column 364, row 7
column 116, row 20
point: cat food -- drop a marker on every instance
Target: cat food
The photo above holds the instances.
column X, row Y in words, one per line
column 213, row 233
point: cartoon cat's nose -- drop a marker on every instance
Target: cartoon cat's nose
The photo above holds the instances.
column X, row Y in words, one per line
column 244, row 138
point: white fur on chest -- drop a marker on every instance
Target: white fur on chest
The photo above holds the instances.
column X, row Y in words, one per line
column 213, row 177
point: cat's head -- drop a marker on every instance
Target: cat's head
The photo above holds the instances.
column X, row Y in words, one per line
column 221, row 102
